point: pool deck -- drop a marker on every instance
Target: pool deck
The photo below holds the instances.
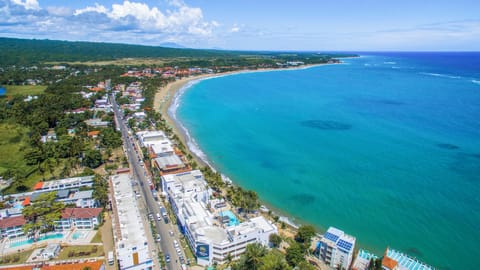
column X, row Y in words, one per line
column 67, row 239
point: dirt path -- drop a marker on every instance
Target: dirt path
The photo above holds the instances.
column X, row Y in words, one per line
column 107, row 239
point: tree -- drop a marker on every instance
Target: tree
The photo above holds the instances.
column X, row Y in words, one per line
column 375, row 264
column 295, row 254
column 42, row 213
column 304, row 235
column 93, row 158
column 304, row 265
column 100, row 190
column 252, row 258
column 275, row 240
column 274, row 260
column 110, row 138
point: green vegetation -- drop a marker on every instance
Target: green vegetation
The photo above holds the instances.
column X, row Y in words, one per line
column 24, row 52
column 304, row 235
column 13, row 143
column 42, row 214
column 258, row 257
column 275, row 240
column 97, row 238
column 25, row 90
column 86, row 251
column 17, row 258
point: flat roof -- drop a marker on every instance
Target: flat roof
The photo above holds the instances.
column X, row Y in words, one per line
column 406, row 261
column 66, row 181
column 191, row 195
column 163, row 146
column 132, row 233
column 170, row 161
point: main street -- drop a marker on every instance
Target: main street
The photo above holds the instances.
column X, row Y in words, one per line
column 139, row 174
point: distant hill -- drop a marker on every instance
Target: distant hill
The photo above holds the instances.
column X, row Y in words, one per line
column 172, row 45
column 30, row 51
column 14, row 51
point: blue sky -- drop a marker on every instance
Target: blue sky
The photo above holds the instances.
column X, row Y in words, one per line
column 319, row 25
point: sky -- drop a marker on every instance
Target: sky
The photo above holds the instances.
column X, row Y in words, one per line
column 300, row 25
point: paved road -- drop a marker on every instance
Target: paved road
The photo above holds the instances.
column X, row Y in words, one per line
column 153, row 206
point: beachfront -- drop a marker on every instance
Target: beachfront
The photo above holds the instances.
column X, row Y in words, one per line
column 174, row 104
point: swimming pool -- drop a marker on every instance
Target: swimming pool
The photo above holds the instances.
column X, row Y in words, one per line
column 79, row 235
column 30, row 241
column 233, row 219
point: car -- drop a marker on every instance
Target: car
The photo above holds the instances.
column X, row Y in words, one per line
column 167, row 258
column 179, row 251
column 158, row 238
column 175, row 243
column 171, row 233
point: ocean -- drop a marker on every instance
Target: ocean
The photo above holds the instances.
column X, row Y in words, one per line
column 385, row 147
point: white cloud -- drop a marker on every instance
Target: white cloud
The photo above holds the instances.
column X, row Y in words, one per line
column 59, row 11
column 97, row 8
column 27, row 4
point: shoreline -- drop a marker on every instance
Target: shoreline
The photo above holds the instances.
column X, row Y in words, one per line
column 166, row 101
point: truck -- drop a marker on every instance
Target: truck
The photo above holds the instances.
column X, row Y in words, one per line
column 111, row 259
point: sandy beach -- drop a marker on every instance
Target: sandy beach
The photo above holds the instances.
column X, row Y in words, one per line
column 163, row 100
column 165, row 96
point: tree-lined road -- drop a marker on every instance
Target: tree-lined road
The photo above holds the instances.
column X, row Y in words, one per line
column 153, row 206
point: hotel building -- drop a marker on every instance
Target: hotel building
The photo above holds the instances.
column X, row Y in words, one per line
column 395, row 260
column 336, row 248
column 213, row 234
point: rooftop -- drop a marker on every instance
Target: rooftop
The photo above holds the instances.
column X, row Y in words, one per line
column 65, row 183
column 81, row 212
column 131, row 234
column 169, row 162
column 12, row 222
column 406, row 261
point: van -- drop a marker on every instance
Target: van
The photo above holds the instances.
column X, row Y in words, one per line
column 111, row 259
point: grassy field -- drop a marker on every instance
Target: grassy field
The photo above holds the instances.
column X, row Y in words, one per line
column 120, row 62
column 17, row 258
column 25, row 90
column 80, row 252
column 12, row 144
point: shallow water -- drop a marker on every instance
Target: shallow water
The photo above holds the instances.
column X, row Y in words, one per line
column 385, row 147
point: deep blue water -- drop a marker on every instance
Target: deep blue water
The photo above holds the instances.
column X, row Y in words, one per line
column 385, row 147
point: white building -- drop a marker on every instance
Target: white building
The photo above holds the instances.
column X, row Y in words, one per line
column 363, row 260
column 148, row 138
column 396, row 260
column 211, row 238
column 75, row 182
column 129, row 233
column 162, row 148
column 336, row 248
column 51, row 251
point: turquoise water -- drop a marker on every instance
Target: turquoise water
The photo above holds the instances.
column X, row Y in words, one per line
column 384, row 147
column 78, row 235
column 233, row 219
column 41, row 238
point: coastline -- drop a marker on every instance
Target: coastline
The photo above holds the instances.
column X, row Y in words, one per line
column 167, row 100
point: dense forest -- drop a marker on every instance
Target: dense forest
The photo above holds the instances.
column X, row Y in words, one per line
column 31, row 51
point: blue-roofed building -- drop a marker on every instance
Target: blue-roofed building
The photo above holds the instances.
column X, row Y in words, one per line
column 363, row 260
column 336, row 248
column 395, row 260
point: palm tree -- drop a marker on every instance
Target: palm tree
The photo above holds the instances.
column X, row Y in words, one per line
column 254, row 255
